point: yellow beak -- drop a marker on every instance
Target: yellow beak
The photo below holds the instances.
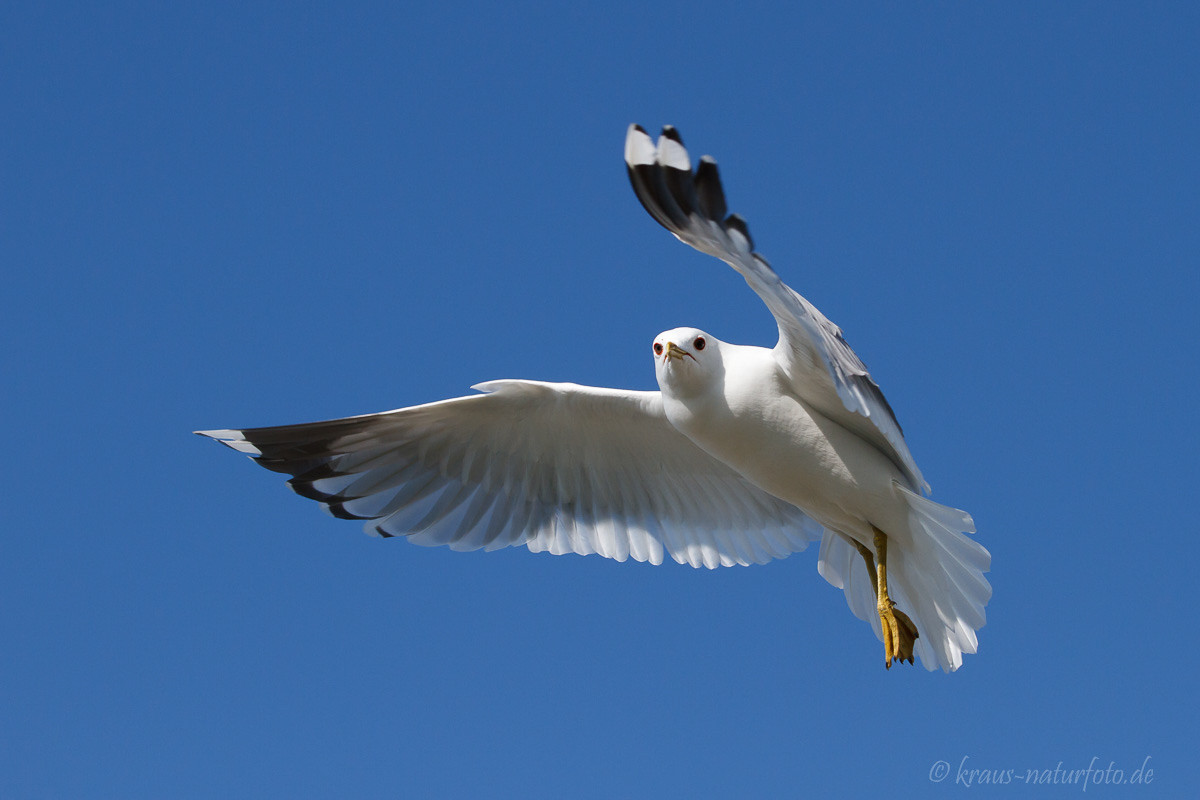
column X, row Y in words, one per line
column 675, row 351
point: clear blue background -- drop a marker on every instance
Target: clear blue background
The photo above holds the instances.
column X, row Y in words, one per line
column 253, row 215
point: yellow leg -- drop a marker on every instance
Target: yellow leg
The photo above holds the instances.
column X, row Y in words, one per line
column 899, row 633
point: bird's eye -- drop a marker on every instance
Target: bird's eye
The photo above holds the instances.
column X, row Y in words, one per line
column 699, row 343
column 658, row 348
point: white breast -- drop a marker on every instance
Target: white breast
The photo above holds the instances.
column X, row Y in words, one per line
column 753, row 422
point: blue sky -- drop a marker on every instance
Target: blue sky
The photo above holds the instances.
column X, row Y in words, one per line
column 273, row 213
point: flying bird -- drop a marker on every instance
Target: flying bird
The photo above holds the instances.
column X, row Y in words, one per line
column 745, row 454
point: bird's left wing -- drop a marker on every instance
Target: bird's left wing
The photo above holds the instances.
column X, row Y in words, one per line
column 823, row 368
column 552, row 466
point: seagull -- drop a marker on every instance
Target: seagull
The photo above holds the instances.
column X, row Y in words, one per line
column 744, row 455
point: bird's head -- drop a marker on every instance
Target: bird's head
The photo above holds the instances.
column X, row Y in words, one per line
column 686, row 361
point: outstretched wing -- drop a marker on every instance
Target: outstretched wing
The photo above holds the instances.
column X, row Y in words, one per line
column 552, row 466
column 824, row 370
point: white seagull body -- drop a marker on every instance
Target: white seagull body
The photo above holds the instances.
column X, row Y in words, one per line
column 746, row 454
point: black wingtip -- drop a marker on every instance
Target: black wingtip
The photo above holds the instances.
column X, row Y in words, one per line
column 675, row 195
column 319, row 472
column 649, row 183
column 306, row 489
column 709, row 190
column 736, row 222
column 339, row 510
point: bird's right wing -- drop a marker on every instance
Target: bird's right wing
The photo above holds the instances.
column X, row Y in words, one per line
column 823, row 369
column 555, row 467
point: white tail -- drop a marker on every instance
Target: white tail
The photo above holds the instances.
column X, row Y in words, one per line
column 937, row 580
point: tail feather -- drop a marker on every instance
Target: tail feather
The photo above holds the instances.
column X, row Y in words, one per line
column 937, row 580
column 940, row 576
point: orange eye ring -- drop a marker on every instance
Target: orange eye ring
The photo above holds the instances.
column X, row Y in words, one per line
column 658, row 348
column 699, row 343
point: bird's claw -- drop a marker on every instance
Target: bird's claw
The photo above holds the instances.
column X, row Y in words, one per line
column 899, row 634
